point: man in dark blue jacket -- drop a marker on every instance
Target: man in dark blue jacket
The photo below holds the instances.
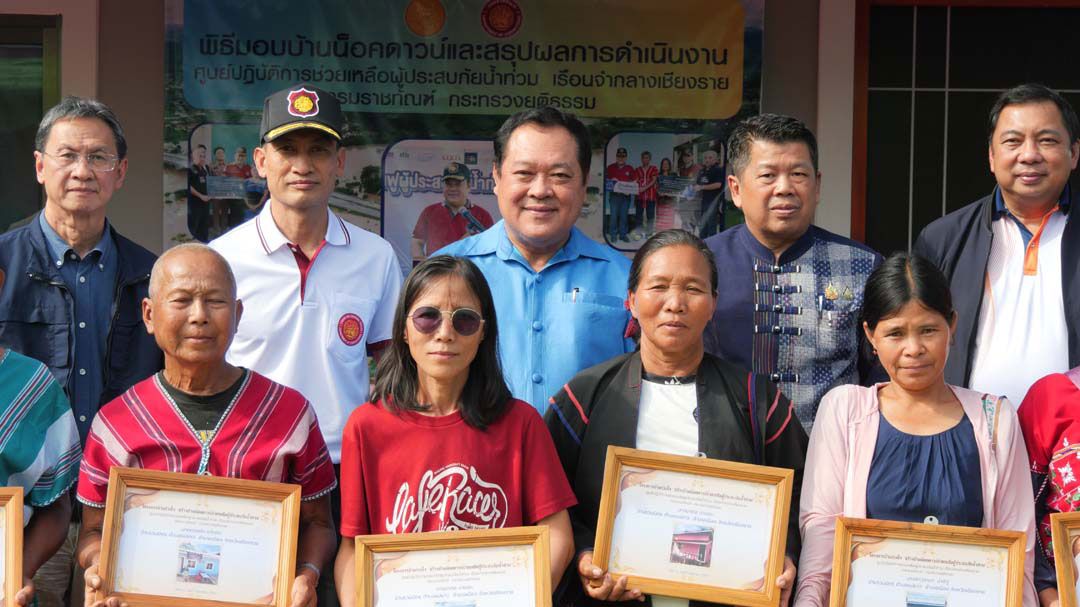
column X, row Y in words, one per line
column 1011, row 257
column 74, row 287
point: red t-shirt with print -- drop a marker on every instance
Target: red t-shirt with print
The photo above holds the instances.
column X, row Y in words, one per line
column 410, row 472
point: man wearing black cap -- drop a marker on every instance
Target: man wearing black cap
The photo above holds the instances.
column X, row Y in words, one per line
column 320, row 292
column 450, row 220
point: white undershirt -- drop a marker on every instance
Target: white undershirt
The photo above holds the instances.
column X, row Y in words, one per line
column 666, row 424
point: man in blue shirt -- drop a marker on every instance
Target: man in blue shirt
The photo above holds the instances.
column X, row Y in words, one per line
column 75, row 286
column 558, row 294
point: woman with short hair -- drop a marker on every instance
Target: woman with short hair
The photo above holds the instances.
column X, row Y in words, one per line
column 669, row 396
column 443, row 445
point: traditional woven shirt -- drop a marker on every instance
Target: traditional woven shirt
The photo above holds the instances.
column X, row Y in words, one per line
column 39, row 442
column 793, row 319
column 268, row 433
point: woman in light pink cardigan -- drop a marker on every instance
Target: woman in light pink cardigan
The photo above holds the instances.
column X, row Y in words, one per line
column 908, row 319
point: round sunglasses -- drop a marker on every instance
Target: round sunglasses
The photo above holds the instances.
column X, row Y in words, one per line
column 465, row 321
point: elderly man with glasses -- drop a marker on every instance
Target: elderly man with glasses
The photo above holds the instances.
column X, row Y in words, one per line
column 74, row 287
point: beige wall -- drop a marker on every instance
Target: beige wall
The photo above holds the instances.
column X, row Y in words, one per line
column 131, row 68
column 131, row 80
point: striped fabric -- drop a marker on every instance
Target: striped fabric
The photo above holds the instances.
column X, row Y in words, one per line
column 269, row 432
column 39, row 442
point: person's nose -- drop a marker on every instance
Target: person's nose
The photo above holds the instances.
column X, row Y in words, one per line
column 540, row 188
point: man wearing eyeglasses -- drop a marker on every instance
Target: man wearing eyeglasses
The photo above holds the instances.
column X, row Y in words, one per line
column 74, row 289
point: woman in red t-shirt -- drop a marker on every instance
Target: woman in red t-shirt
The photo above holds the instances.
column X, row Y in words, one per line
column 443, row 445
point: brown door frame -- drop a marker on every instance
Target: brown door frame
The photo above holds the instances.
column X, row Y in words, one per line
column 861, row 88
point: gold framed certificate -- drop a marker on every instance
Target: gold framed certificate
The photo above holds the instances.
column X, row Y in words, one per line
column 692, row 527
column 181, row 539
column 883, row 563
column 1065, row 535
column 480, row 568
column 11, row 539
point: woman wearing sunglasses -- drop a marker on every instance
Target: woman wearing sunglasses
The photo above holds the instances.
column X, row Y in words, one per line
column 669, row 396
column 443, row 445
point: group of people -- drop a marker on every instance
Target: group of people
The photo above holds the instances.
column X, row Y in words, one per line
column 508, row 361
column 205, row 214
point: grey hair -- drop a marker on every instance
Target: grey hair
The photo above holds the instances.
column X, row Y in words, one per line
column 193, row 247
column 72, row 107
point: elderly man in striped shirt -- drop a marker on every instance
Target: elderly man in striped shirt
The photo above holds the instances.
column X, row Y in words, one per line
column 258, row 429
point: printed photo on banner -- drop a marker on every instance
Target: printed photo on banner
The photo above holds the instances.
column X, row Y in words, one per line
column 436, row 192
column 652, row 183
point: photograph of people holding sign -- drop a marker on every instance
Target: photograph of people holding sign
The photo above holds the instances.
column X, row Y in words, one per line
column 671, row 397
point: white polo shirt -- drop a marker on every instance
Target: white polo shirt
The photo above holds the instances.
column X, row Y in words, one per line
column 310, row 324
column 1022, row 333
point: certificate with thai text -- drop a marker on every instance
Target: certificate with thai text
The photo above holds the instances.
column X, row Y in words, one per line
column 889, row 564
column 198, row 539
column 485, row 568
column 694, row 528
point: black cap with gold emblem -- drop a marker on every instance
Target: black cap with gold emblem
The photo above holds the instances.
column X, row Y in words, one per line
column 301, row 107
column 455, row 170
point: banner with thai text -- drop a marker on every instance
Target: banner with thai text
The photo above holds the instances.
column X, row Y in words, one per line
column 425, row 83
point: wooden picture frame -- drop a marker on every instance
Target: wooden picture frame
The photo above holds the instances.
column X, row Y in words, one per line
column 370, row 547
column 283, row 500
column 1065, row 536
column 778, row 480
column 11, row 536
column 849, row 529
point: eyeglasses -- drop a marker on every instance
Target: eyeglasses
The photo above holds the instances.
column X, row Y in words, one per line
column 428, row 319
column 96, row 161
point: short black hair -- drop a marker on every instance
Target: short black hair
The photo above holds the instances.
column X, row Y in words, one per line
column 903, row 278
column 1033, row 92
column 548, row 117
column 671, row 238
column 72, row 107
column 201, row 146
column 486, row 395
column 773, row 128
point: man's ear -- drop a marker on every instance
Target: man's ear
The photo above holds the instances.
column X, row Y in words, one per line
column 148, row 315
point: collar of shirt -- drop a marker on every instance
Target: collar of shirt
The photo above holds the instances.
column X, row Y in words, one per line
column 495, row 240
column 61, row 251
column 272, row 239
column 1000, row 210
column 790, row 254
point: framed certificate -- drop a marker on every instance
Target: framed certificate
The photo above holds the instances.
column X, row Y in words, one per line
column 692, row 527
column 886, row 563
column 11, row 539
column 1065, row 534
column 482, row 568
column 182, row 539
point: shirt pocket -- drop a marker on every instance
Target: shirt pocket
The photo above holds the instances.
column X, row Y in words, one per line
column 597, row 322
column 347, row 326
column 836, row 325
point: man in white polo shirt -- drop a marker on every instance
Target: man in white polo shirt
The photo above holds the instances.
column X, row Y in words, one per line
column 318, row 293
column 1011, row 257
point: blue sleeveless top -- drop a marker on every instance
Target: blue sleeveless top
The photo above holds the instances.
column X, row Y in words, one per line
column 914, row 477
